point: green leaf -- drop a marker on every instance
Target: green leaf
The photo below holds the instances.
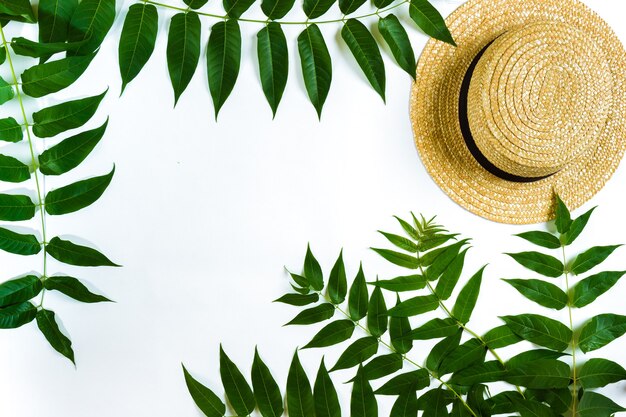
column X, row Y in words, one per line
column 19, row 290
column 314, row 314
column 273, row 62
column 48, row 326
column 337, row 284
column 563, row 219
column 266, row 390
column 382, row 366
column 316, row 65
column 590, row 288
column 377, row 318
column 73, row 254
column 442, row 349
column 298, row 299
column 397, row 258
column 405, row 405
column 429, row 242
column 559, row 399
column 450, row 277
column 69, row 153
column 19, row 10
column 501, row 336
column 597, row 373
column 16, row 207
column 223, row 58
column 26, row 47
column 18, row 244
column 415, row 306
column 543, row 239
column 313, row 271
column 400, row 241
column 137, row 40
column 333, row 333
column 410, row 230
column 543, row 293
column 6, row 91
column 409, row 381
column 593, row 404
column 358, row 352
column 532, row 356
column 365, row 50
column 300, row 280
column 91, row 20
column 434, row 402
column 325, row 395
column 401, row 284
column 439, row 260
column 434, row 329
column 43, row 79
column 69, row 115
column 183, row 50
column 54, row 19
column 78, row 195
column 316, row 8
column 195, row 4
column 503, row 402
column 430, row 21
column 398, row 40
column 357, row 299
column 350, row 6
column 362, row 401
column 17, row 315
column 235, row 8
column 399, row 329
column 591, row 258
column 276, row 9
column 10, row 130
column 535, row 261
column 541, row 374
column 491, row 371
column 577, row 227
column 467, row 354
column 300, row 401
column 13, row 170
column 237, row 390
column 466, row 301
column 528, row 408
column 3, row 54
column 540, row 330
column 205, row 399
column 73, row 288
column 600, row 331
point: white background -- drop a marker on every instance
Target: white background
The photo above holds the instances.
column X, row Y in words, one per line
column 204, row 216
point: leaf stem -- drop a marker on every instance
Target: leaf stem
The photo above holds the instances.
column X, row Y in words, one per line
column 571, row 326
column 33, row 157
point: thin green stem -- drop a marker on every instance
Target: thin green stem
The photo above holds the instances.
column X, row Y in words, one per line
column 282, row 22
column 33, row 157
column 571, row 326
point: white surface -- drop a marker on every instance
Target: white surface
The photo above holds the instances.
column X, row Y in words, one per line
column 204, row 216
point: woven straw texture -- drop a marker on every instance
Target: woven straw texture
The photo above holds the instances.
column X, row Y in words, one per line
column 548, row 97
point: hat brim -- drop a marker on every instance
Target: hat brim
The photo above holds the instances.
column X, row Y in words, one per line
column 435, row 114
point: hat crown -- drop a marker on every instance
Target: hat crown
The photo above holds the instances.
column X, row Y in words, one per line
column 539, row 96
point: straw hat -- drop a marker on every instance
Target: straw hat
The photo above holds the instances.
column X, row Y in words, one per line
column 531, row 102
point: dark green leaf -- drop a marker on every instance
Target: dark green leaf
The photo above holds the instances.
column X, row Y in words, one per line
column 414, row 306
column 397, row 258
column 591, row 258
column 434, row 329
column 358, row 352
column 593, row 404
column 337, row 284
column 54, row 19
column 237, row 390
column 540, row 330
column 467, row 354
column 91, row 20
column 223, row 58
column 543, row 239
column 399, row 329
column 300, row 401
column 333, row 333
column 300, row 280
column 273, row 62
column 61, row 117
column 362, row 401
column 532, row 356
column 235, row 8
column 577, row 227
column 466, row 301
column 3, row 54
column 377, row 318
column 10, row 130
column 600, row 331
column 541, row 292
column 541, row 374
column 54, row 76
column 325, row 395
column 400, row 241
column 69, row 153
column 183, row 50
column 563, row 219
column 365, row 50
column 491, row 371
column 434, row 402
column 298, row 299
column 535, row 261
column 314, row 314
column 316, row 65
column 430, row 21
column 405, row 405
column 195, row 4
column 19, row 10
column 442, row 349
column 350, row 6
column 398, row 40
column 528, row 408
column 429, row 242
column 316, row 8
column 501, row 336
column 313, row 271
column 205, row 399
column 17, row 315
column 410, row 230
column 450, row 277
column 266, row 390
column 19, row 290
column 48, row 326
column 16, row 207
column 403, row 283
column 439, row 260
column 503, row 402
column 78, row 195
column 559, row 399
column 137, row 40
column 276, row 9
column 597, row 373
column 26, row 47
column 410, row 381
column 17, row 243
column 6, row 91
column 73, row 254
column 73, row 288
column 590, row 288
column 13, row 170
column 382, row 366
column 357, row 299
